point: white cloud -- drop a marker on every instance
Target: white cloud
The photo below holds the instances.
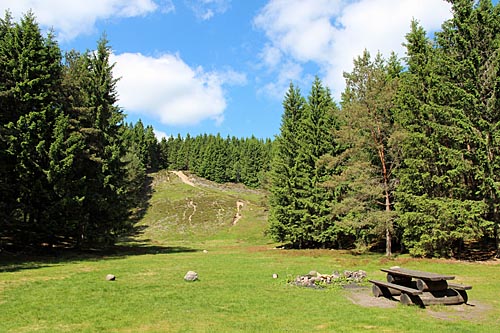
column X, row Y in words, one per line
column 271, row 55
column 167, row 89
column 331, row 33
column 76, row 17
column 160, row 135
column 206, row 9
column 289, row 72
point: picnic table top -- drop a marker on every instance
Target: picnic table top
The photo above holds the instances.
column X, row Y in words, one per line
column 417, row 274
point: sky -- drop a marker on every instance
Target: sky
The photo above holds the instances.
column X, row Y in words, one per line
column 224, row 66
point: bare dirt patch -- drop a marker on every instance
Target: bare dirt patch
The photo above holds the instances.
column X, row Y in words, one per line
column 238, row 216
column 473, row 310
column 185, row 179
column 363, row 297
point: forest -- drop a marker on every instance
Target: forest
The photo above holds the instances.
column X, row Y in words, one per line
column 407, row 161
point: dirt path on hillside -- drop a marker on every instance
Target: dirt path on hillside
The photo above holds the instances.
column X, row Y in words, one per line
column 238, row 216
column 185, row 179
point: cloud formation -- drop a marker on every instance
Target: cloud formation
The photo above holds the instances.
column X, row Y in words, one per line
column 206, row 9
column 76, row 17
column 331, row 33
column 167, row 89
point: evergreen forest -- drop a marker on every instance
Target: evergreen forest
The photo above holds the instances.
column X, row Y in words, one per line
column 407, row 161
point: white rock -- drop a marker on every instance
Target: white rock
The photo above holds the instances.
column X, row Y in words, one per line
column 275, row 276
column 191, row 276
column 110, row 277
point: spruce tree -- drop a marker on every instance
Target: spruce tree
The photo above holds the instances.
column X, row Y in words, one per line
column 316, row 140
column 469, row 49
column 30, row 100
column 107, row 210
column 282, row 201
column 300, row 204
column 8, row 188
column 448, row 101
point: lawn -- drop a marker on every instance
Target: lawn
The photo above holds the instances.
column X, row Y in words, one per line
column 235, row 292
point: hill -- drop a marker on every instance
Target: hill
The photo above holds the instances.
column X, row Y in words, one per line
column 184, row 207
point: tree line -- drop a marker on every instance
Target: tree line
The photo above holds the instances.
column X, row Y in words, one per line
column 411, row 156
column 223, row 160
column 230, row 159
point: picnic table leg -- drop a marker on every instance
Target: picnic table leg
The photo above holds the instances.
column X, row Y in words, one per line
column 401, row 280
column 379, row 291
column 463, row 294
column 431, row 285
column 447, row 297
column 406, row 299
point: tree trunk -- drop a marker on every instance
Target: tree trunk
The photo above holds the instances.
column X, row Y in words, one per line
column 497, row 240
column 495, row 231
column 388, row 236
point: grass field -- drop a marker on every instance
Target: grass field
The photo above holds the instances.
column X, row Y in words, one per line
column 235, row 291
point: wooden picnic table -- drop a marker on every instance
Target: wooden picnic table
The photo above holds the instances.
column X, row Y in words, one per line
column 419, row 287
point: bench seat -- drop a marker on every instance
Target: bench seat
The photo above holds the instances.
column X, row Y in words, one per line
column 403, row 289
column 457, row 286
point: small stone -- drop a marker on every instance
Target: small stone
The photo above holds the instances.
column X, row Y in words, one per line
column 335, row 275
column 205, row 251
column 110, row 277
column 275, row 276
column 191, row 276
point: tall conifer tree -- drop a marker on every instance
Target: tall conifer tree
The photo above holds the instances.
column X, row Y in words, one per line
column 283, row 201
column 300, row 205
column 448, row 189
column 30, row 98
column 365, row 182
column 316, row 140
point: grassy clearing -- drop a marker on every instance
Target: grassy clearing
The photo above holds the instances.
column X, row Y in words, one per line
column 236, row 291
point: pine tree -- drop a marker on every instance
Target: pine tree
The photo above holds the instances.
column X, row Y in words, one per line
column 365, row 181
column 184, row 154
column 31, row 76
column 107, row 210
column 252, row 161
column 8, row 188
column 469, row 49
column 447, row 192
column 300, row 204
column 317, row 140
column 282, row 201
column 163, row 153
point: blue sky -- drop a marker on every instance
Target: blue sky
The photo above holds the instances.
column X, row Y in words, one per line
column 223, row 66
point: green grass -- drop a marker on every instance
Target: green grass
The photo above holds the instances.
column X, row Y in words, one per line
column 236, row 291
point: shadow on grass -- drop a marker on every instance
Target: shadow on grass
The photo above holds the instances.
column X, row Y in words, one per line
column 12, row 262
column 15, row 258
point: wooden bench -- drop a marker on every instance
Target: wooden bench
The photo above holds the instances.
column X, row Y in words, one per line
column 457, row 286
column 407, row 296
column 383, row 284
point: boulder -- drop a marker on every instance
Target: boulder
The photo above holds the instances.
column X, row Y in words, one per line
column 110, row 277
